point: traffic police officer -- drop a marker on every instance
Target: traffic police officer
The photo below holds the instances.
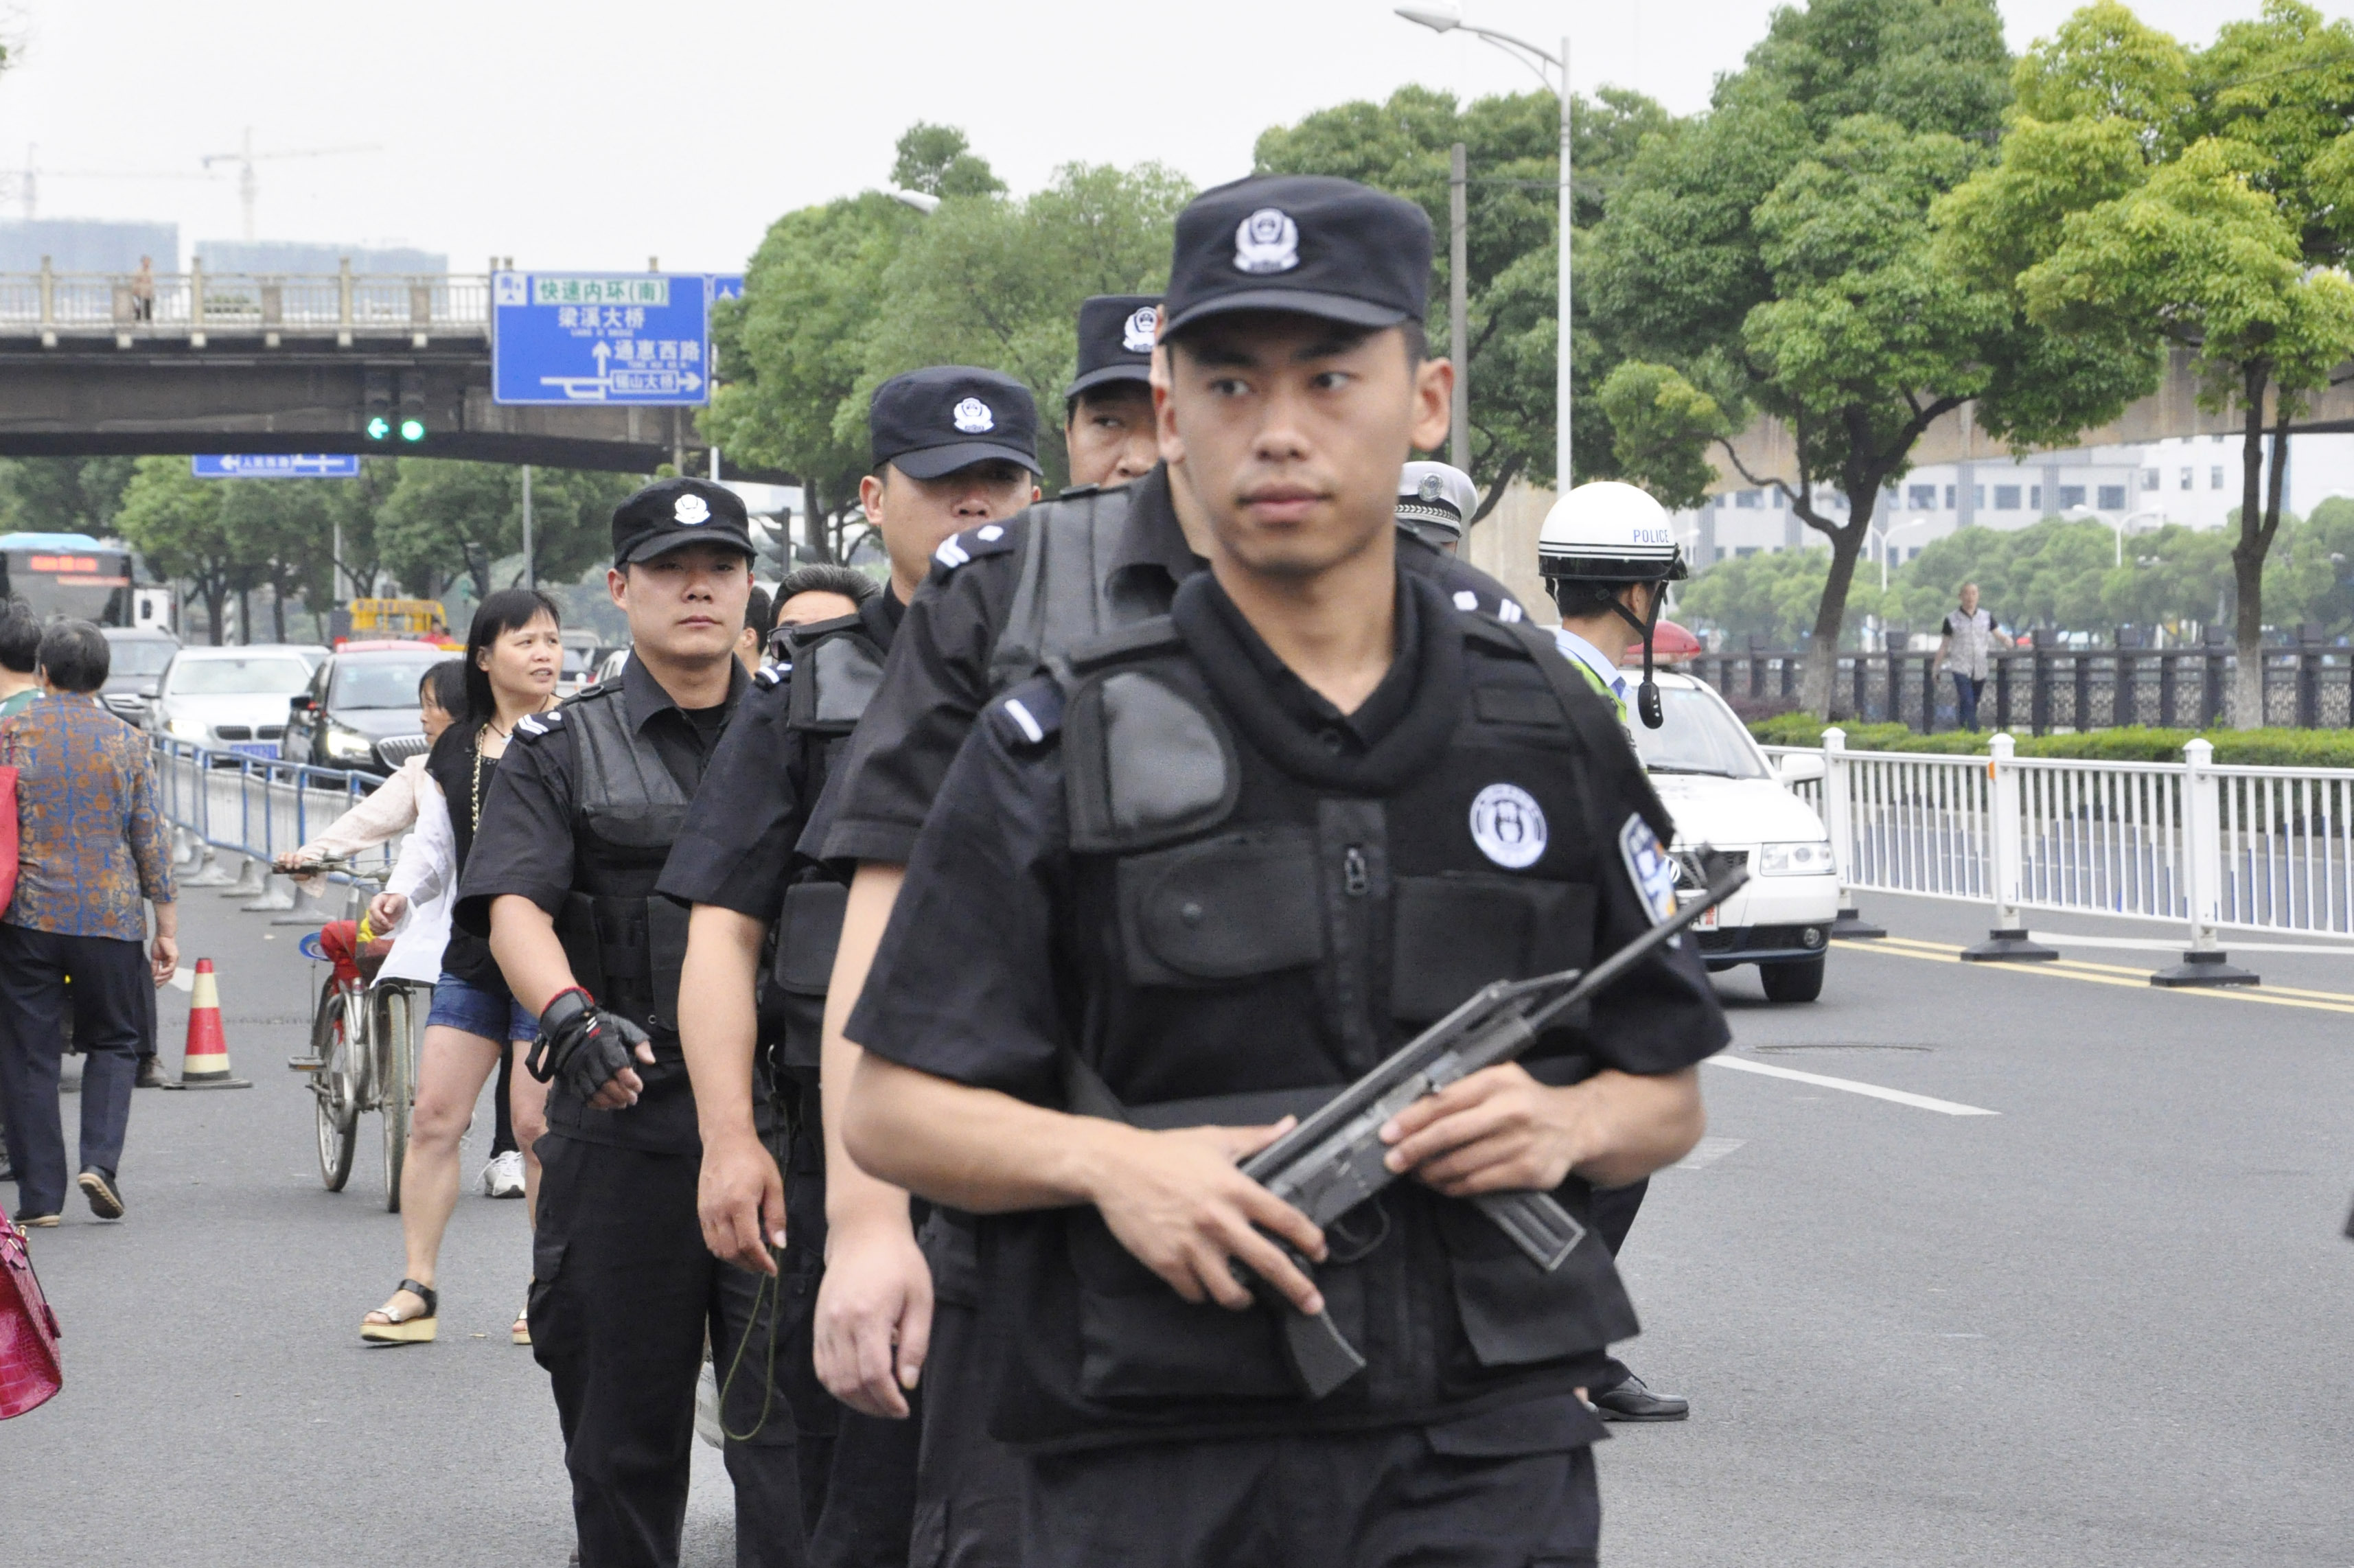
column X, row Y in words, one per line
column 1002, row 600
column 1436, row 502
column 573, row 834
column 1225, row 861
column 734, row 865
column 1107, row 407
column 1607, row 554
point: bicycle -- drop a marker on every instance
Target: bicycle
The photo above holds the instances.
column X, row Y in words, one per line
column 363, row 1039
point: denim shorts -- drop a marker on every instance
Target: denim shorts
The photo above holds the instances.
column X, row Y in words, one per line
column 488, row 1011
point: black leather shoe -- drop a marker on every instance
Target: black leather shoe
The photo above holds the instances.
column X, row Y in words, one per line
column 1631, row 1401
column 151, row 1072
column 98, row 1188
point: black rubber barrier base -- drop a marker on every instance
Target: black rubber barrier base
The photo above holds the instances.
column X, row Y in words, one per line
column 2008, row 946
column 1851, row 925
column 2205, row 968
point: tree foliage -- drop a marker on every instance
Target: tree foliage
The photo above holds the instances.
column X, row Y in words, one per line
column 62, row 495
column 445, row 520
column 173, row 519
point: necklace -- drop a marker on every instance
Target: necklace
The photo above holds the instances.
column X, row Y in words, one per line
column 492, row 724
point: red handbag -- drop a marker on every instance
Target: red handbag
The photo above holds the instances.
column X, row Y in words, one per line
column 7, row 838
column 30, row 1372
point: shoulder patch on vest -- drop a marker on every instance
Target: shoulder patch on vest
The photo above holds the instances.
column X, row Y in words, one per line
column 771, row 676
column 988, row 539
column 531, row 726
column 1029, row 715
column 1146, row 637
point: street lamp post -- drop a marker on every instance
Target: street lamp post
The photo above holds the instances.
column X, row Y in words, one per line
column 1536, row 59
column 1883, row 535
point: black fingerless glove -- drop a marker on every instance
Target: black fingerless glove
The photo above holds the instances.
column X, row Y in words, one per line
column 582, row 1043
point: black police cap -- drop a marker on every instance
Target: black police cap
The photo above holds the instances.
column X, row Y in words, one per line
column 1306, row 244
column 935, row 421
column 673, row 512
column 1116, row 333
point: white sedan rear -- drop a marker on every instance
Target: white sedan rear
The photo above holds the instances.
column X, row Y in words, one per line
column 1722, row 792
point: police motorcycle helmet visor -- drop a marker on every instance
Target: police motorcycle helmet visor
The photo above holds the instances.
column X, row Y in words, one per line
column 1116, row 336
column 932, row 422
column 1303, row 244
column 1435, row 501
column 672, row 513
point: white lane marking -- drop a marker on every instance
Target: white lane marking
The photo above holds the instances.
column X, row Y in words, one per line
column 2154, row 945
column 1900, row 1096
column 1707, row 1152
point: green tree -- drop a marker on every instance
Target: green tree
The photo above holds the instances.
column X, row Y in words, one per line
column 938, row 160
column 280, row 533
column 997, row 281
column 1512, row 148
column 1779, row 255
column 444, row 520
column 62, row 495
column 174, row 520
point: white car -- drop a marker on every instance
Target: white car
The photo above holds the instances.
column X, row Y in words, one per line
column 231, row 699
column 1724, row 792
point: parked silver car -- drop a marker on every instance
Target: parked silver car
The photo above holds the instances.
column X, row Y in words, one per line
column 231, row 698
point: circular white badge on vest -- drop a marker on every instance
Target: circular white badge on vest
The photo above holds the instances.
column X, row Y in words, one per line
column 1509, row 826
column 972, row 416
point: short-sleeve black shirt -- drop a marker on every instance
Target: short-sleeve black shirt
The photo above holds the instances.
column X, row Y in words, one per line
column 937, row 679
column 736, row 851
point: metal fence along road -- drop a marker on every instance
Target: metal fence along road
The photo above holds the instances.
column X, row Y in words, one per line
column 2218, row 848
column 185, row 304
column 228, row 802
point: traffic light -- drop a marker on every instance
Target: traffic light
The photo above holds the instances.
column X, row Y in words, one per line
column 412, row 406
column 375, row 406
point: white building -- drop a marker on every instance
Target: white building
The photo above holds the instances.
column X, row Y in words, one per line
column 2191, row 479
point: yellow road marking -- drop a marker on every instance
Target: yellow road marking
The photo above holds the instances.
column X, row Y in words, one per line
column 2110, row 974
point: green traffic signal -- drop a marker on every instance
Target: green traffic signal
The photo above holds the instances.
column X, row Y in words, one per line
column 379, row 427
column 412, row 429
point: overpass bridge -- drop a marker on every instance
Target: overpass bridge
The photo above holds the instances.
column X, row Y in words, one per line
column 1766, row 448
column 232, row 362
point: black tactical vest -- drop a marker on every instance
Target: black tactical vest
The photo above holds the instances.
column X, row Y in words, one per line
column 1247, row 942
column 1062, row 593
column 624, row 941
column 837, row 667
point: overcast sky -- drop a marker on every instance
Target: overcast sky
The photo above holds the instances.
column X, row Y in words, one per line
column 595, row 135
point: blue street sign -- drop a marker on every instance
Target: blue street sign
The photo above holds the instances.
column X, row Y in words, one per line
column 600, row 337
column 727, row 286
column 276, row 465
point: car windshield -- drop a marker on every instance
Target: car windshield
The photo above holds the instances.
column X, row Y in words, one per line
column 140, row 656
column 1696, row 735
column 278, row 674
column 377, row 682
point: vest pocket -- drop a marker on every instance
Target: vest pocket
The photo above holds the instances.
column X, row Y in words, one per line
column 1221, row 909
column 1515, row 1313
column 1467, row 929
column 810, row 932
column 1140, row 1341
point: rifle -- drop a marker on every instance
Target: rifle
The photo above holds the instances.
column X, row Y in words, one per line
column 1332, row 1162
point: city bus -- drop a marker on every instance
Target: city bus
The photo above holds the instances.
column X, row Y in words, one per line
column 68, row 575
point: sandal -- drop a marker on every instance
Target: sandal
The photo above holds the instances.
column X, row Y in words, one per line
column 416, row 1329
column 521, row 1332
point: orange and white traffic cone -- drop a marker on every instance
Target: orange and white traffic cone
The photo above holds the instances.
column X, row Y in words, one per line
column 205, row 1065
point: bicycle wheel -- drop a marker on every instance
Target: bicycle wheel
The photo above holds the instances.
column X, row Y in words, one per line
column 338, row 1108
column 395, row 1075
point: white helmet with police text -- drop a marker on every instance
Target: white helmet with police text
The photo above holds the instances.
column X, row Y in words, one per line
column 1606, row 531
column 1596, row 541
column 1435, row 503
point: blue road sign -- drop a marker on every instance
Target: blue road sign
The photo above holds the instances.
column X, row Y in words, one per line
column 600, row 337
column 727, row 286
column 276, row 465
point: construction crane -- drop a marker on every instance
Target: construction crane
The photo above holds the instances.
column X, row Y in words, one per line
column 24, row 185
column 248, row 187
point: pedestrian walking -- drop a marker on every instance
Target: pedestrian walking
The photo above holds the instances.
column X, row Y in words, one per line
column 514, row 656
column 574, row 834
column 20, row 659
column 1969, row 635
column 807, row 595
column 1217, row 867
column 142, row 291
column 92, row 853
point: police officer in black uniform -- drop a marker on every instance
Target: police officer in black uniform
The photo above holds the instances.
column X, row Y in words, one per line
column 1219, row 864
column 1107, row 407
column 734, row 865
column 574, row 833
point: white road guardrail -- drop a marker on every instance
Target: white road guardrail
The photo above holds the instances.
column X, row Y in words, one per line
column 2215, row 847
column 226, row 801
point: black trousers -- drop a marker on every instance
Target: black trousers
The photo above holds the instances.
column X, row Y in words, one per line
column 969, row 1487
column 857, row 1471
column 1398, row 1499
column 111, row 996
column 622, row 1294
column 1613, row 1216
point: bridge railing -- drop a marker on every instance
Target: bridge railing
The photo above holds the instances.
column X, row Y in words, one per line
column 2038, row 690
column 185, row 303
column 2267, row 849
column 244, row 805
